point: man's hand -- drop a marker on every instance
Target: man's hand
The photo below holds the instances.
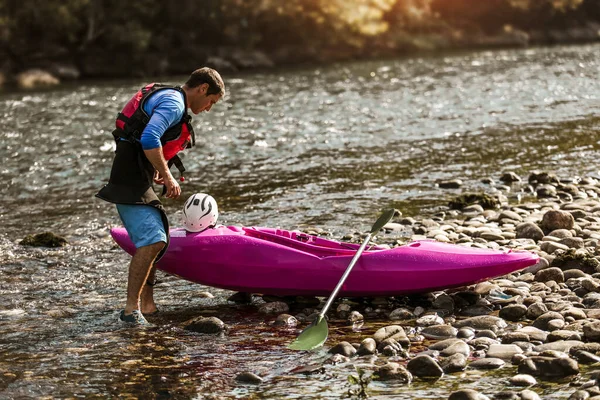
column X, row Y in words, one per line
column 162, row 175
column 158, row 179
column 173, row 189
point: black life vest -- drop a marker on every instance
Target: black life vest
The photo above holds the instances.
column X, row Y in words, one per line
column 132, row 174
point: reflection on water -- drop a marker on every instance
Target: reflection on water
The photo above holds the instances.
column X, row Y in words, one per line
column 326, row 147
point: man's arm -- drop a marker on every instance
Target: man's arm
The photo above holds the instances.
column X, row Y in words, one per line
column 156, row 157
column 166, row 112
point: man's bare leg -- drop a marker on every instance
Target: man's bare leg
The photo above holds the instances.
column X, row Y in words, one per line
column 147, row 304
column 139, row 269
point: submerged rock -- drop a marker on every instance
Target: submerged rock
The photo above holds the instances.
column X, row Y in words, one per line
column 424, row 366
column 46, row 239
column 249, row 377
column 549, row 367
column 394, row 372
column 205, row 325
column 467, row 394
column 484, row 200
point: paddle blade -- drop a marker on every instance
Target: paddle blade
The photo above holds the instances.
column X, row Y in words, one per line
column 312, row 337
column 382, row 220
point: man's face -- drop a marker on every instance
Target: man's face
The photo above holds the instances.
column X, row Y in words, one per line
column 202, row 102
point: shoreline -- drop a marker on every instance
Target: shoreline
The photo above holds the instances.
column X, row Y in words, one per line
column 50, row 73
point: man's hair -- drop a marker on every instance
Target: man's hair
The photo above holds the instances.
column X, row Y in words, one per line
column 210, row 76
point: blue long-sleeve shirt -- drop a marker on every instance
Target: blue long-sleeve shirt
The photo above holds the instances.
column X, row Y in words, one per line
column 165, row 108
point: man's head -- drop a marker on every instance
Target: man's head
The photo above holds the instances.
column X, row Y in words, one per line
column 203, row 88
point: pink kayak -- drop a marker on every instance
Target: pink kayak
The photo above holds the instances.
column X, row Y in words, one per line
column 280, row 262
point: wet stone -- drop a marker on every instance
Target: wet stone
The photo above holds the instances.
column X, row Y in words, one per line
column 467, row 394
column 556, row 324
column 561, row 345
column 424, row 366
column 475, row 311
column 561, row 233
column 454, row 363
column 543, row 320
column 512, row 337
column 482, row 343
column 549, row 367
column 241, row 298
column 482, row 322
column 355, row 317
column 513, row 312
column 275, row 307
column 458, row 347
column 522, row 380
column 573, row 243
column 507, row 395
column 344, row 348
column 46, row 239
column 401, row 314
column 394, row 372
column 249, row 377
column 503, row 351
column 391, row 344
column 367, row 346
column 429, row 320
column 450, row 184
column 336, row 359
column 529, row 395
column 529, row 230
column 579, row 395
column 205, row 325
column 591, row 331
column 563, row 335
column 487, row 363
column 439, row 332
column 557, row 219
column 343, row 310
column 488, row 333
column 442, row 344
column 509, row 177
column 585, row 357
column 550, row 274
column 465, row 333
column 395, row 332
column 286, row 320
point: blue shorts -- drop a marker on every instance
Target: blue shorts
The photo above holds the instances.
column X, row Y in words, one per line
column 143, row 223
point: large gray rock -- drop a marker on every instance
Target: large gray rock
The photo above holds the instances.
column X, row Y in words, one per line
column 467, row 394
column 424, row 366
column 205, row 325
column 482, row 322
column 394, row 372
column 557, row 219
column 343, row 348
column 395, row 332
column 549, row 367
column 529, row 230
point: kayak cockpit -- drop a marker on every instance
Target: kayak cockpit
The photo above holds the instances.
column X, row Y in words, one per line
column 315, row 245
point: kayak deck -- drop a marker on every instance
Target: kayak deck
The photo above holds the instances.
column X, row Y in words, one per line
column 279, row 262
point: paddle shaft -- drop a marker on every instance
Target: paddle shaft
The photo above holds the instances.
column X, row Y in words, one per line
column 343, row 279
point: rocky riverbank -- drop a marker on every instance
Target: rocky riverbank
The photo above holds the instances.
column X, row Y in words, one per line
column 51, row 72
column 542, row 323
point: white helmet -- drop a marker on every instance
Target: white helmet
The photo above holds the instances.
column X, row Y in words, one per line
column 200, row 212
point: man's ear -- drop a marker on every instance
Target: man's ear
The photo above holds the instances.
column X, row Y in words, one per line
column 203, row 89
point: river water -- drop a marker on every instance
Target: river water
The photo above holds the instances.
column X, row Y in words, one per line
column 324, row 147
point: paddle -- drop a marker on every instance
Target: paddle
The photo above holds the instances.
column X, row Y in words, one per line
column 316, row 333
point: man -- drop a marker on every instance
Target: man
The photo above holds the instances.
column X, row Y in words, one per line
column 152, row 128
